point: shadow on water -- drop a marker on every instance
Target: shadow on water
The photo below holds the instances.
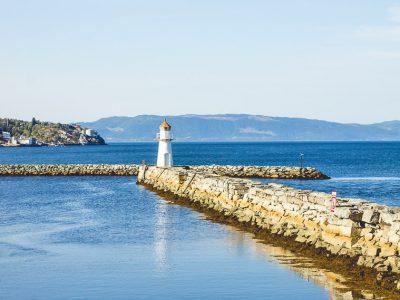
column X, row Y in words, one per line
column 334, row 283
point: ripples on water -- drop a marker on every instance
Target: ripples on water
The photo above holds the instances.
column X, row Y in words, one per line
column 106, row 237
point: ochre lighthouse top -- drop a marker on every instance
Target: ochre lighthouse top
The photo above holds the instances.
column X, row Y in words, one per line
column 165, row 125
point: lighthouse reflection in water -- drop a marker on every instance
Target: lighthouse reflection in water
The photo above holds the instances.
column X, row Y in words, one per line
column 160, row 236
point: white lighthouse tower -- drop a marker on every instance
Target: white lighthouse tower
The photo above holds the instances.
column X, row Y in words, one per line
column 164, row 157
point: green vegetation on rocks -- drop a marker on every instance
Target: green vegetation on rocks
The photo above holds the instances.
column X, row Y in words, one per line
column 50, row 133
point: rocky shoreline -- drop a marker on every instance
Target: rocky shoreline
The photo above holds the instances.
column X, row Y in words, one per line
column 19, row 133
column 358, row 235
column 133, row 170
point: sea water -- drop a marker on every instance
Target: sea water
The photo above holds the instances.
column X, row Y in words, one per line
column 108, row 238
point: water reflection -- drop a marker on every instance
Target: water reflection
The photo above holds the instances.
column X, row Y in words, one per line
column 334, row 283
column 160, row 237
column 67, row 237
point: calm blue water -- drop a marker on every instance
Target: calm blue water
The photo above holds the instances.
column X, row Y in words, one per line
column 106, row 237
column 369, row 170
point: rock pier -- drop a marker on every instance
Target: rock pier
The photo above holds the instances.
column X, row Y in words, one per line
column 69, row 170
column 364, row 233
column 261, row 172
column 132, row 170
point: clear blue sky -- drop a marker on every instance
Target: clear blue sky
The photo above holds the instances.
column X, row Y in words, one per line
column 82, row 60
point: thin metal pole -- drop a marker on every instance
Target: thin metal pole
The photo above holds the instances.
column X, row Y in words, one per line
column 301, row 161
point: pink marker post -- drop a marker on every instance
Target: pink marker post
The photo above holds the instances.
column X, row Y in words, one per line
column 333, row 201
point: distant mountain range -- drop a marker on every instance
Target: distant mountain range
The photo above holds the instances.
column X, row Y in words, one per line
column 241, row 127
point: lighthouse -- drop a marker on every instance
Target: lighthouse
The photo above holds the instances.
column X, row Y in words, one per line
column 164, row 157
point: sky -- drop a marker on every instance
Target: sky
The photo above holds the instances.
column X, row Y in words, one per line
column 81, row 60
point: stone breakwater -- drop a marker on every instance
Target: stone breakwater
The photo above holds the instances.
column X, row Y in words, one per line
column 365, row 233
column 262, row 171
column 68, row 170
column 132, row 170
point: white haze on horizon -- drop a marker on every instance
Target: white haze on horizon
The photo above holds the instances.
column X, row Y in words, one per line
column 75, row 61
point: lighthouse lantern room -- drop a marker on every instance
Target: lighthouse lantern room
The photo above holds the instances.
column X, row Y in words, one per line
column 164, row 157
